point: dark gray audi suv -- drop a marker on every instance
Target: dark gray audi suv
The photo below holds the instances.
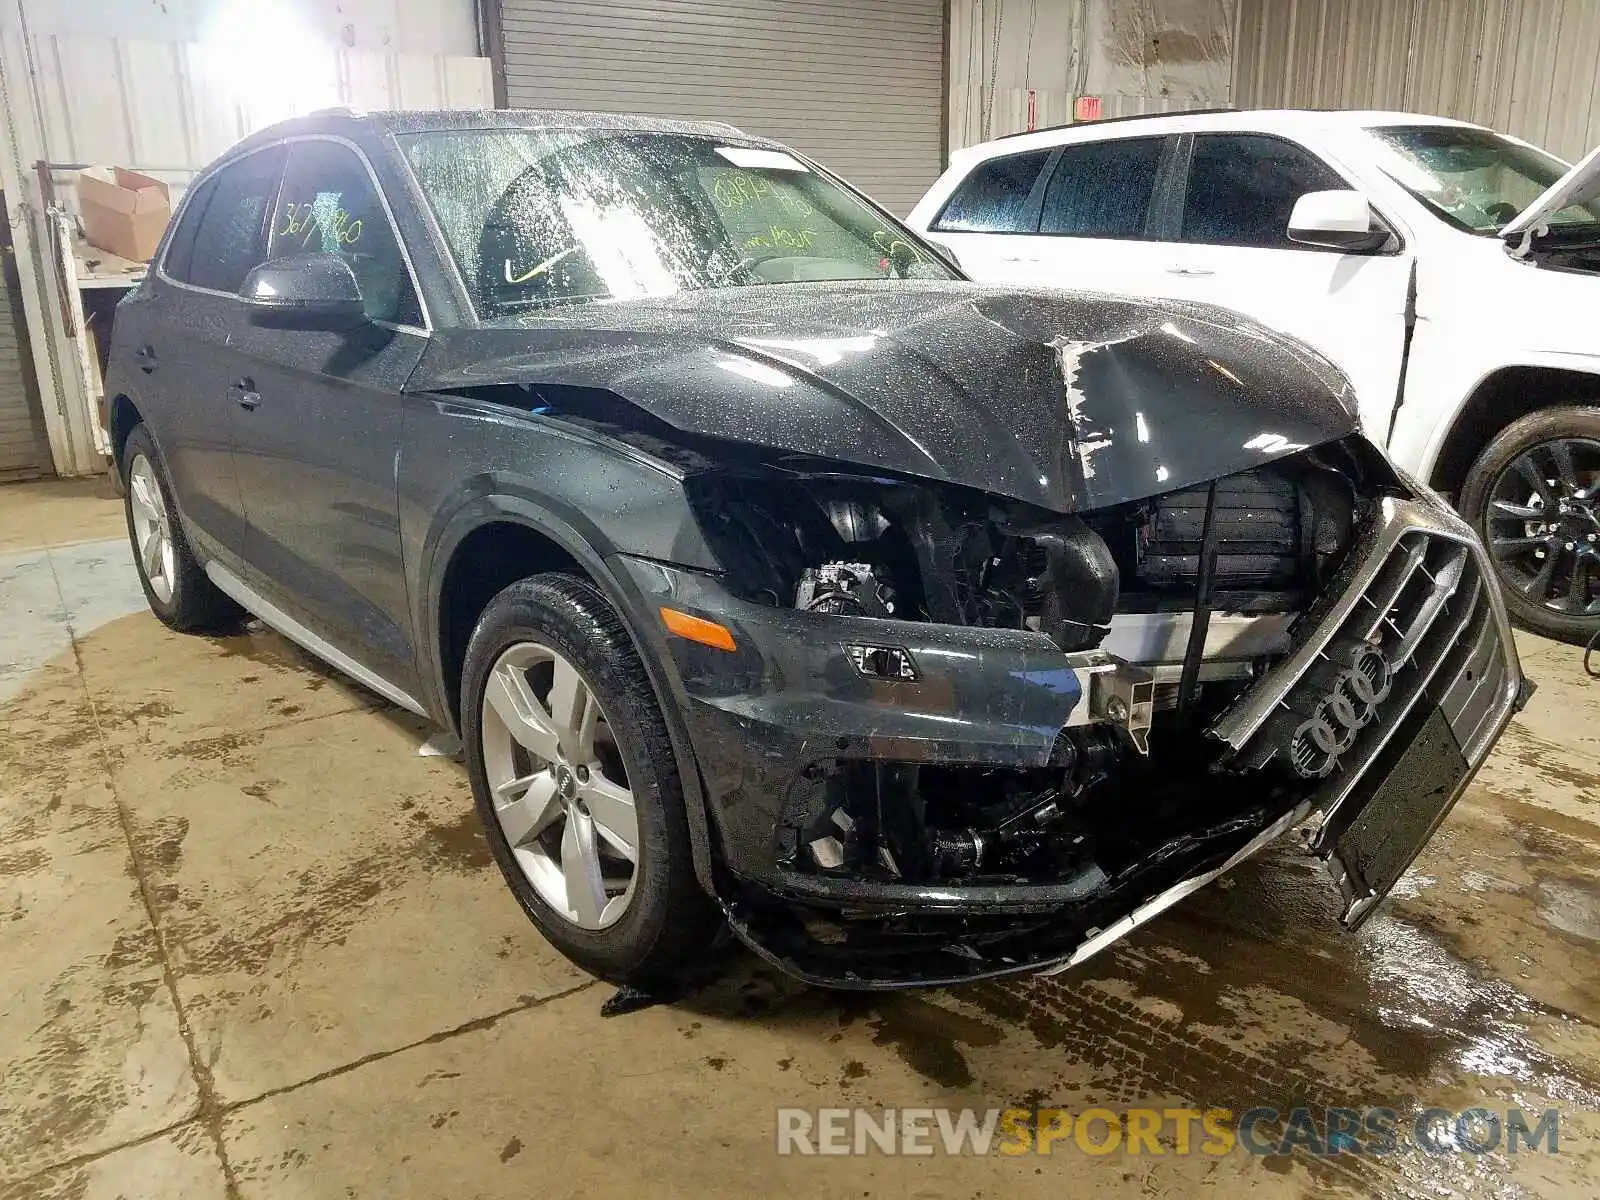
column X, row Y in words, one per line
column 773, row 574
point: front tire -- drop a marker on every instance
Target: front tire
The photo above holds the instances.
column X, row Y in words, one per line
column 175, row 585
column 1534, row 498
column 577, row 785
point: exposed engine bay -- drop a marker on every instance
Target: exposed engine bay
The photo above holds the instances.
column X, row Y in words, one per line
column 1137, row 777
column 1561, row 249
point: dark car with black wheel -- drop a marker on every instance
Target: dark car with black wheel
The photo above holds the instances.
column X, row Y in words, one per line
column 775, row 576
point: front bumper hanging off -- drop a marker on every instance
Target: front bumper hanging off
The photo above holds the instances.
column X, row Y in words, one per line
column 794, row 692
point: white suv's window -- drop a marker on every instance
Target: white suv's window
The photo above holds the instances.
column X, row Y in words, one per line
column 1243, row 187
column 994, row 197
column 1102, row 189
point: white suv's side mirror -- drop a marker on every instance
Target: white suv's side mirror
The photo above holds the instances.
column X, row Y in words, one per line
column 1340, row 220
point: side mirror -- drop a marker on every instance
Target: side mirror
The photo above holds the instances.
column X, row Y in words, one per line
column 1339, row 220
column 305, row 291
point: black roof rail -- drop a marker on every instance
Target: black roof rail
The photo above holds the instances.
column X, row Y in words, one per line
column 1177, row 112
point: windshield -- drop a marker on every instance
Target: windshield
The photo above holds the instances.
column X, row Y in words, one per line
column 1475, row 179
column 538, row 217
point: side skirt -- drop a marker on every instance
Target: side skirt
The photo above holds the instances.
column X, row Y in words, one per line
column 270, row 614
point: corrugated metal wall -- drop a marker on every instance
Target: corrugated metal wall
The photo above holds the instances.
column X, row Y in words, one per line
column 1528, row 67
column 384, row 26
column 1019, row 64
column 23, row 450
column 857, row 84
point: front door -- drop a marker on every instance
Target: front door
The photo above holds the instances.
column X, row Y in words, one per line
column 1233, row 249
column 321, row 416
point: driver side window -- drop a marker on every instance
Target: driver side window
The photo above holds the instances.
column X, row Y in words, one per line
column 328, row 205
column 1243, row 188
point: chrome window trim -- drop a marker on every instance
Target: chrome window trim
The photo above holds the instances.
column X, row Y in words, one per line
column 425, row 329
column 436, row 231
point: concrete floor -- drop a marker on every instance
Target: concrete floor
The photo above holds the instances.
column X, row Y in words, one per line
column 251, row 944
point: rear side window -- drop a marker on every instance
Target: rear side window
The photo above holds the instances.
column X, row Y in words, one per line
column 229, row 219
column 329, row 205
column 180, row 246
column 1102, row 189
column 994, row 198
column 1243, row 187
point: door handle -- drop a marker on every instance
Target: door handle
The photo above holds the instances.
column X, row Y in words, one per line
column 245, row 393
column 146, row 357
column 1190, row 272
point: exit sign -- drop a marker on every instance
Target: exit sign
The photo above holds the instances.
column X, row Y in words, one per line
column 1086, row 108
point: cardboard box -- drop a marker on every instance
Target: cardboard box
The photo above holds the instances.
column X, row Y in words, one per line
column 123, row 211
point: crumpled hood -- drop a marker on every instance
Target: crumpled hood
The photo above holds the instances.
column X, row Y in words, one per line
column 1065, row 400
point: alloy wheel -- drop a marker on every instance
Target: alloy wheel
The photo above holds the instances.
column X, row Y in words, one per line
column 1543, row 525
column 152, row 529
column 559, row 785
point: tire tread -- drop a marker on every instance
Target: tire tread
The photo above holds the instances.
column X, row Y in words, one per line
column 197, row 604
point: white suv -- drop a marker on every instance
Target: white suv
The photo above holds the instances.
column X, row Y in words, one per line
column 1447, row 269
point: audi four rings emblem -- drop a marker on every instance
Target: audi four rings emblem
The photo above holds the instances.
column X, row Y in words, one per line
column 1336, row 701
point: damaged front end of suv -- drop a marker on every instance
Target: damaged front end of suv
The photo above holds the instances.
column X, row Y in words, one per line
column 1042, row 612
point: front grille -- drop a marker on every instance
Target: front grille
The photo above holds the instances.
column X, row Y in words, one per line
column 1418, row 593
column 1428, row 599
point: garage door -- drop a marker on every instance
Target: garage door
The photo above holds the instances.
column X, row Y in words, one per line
column 856, row 84
column 22, row 446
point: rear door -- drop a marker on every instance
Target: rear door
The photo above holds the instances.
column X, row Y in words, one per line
column 320, row 420
column 1099, row 218
column 1232, row 248
column 1087, row 221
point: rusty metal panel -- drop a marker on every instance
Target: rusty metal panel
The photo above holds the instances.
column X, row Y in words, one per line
column 1137, row 56
column 1527, row 67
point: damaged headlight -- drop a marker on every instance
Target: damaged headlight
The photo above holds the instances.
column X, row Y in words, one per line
column 849, row 544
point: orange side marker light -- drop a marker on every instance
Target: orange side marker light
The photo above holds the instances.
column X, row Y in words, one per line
column 697, row 629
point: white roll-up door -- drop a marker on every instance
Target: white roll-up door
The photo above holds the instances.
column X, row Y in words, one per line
column 23, row 451
column 856, row 84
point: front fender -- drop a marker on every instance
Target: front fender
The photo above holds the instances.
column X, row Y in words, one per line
column 591, row 499
column 1440, row 386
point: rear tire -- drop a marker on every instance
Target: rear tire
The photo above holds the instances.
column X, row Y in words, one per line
column 1534, row 498
column 175, row 585
column 557, row 794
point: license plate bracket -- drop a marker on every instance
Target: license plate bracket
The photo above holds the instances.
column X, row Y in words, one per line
column 1410, row 789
